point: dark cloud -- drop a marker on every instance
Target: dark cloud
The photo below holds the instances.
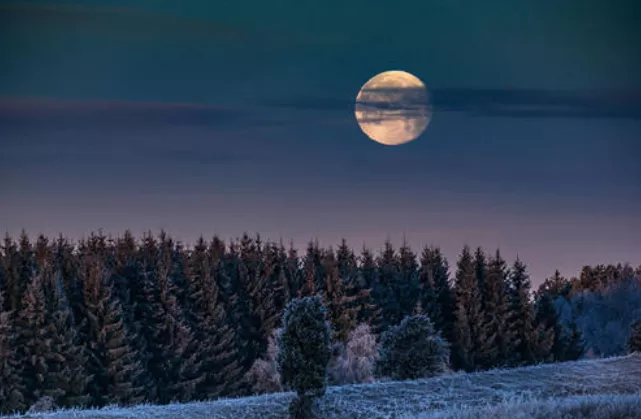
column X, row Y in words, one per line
column 506, row 103
column 60, row 114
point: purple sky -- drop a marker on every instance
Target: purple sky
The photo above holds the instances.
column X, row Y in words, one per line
column 199, row 120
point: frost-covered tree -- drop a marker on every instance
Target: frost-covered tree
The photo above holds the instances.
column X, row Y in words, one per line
column 263, row 376
column 413, row 349
column 605, row 317
column 305, row 352
column 356, row 362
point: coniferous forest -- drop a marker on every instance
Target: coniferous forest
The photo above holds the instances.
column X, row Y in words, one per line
column 125, row 321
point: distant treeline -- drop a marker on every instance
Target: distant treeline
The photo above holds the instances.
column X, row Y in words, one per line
column 124, row 321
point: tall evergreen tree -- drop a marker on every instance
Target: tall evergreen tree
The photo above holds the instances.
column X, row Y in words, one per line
column 497, row 311
column 17, row 267
column 553, row 312
column 341, row 312
column 112, row 362
column 256, row 269
column 473, row 341
column 175, row 371
column 34, row 342
column 312, row 271
column 388, row 264
column 369, row 310
column 67, row 380
column 11, row 385
column 214, row 340
column 534, row 340
column 293, row 272
column 442, row 310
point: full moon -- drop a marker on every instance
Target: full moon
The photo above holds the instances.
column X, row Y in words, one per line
column 392, row 108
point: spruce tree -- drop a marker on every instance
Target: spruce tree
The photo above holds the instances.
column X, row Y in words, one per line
column 293, row 272
column 12, row 389
column 112, row 361
column 473, row 341
column 67, row 379
column 389, row 273
column 175, row 371
column 369, row 311
column 535, row 341
column 258, row 274
column 497, row 311
column 634, row 342
column 340, row 310
column 304, row 353
column 214, row 344
column 413, row 349
column 313, row 276
column 435, row 269
column 11, row 278
column 34, row 341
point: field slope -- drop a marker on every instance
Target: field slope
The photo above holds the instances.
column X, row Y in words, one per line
column 582, row 386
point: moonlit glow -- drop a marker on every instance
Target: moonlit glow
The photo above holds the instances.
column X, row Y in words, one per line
column 392, row 108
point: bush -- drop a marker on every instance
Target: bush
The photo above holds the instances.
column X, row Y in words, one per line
column 634, row 343
column 413, row 349
column 305, row 351
column 356, row 362
column 263, row 376
column 42, row 405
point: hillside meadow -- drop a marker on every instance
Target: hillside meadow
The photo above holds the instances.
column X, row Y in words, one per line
column 586, row 389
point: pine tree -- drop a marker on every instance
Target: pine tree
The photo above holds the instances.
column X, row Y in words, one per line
column 340, row 310
column 67, row 380
column 634, row 342
column 535, row 341
column 312, row 271
column 369, row 310
column 34, row 341
column 175, row 371
column 11, row 278
column 408, row 279
column 497, row 311
column 304, row 352
column 112, row 361
column 293, row 272
column 257, row 280
column 144, row 286
column 11, row 385
column 214, row 344
column 280, row 280
column 473, row 342
column 413, row 349
column 389, row 273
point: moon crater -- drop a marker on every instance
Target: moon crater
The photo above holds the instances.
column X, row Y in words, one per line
column 392, row 108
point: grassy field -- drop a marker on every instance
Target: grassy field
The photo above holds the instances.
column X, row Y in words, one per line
column 591, row 389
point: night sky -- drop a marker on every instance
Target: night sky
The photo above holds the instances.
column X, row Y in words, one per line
column 224, row 117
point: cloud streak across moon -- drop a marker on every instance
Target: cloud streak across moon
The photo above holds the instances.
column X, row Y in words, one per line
column 392, row 108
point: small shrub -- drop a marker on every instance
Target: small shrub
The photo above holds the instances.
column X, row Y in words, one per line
column 356, row 362
column 263, row 376
column 634, row 342
column 42, row 405
column 304, row 351
column 413, row 349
